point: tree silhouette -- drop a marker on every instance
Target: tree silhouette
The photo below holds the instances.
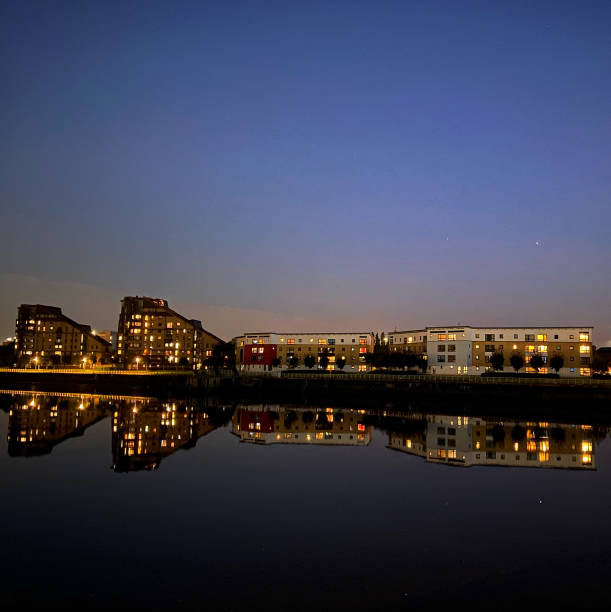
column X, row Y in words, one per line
column 309, row 361
column 340, row 363
column 497, row 361
column 556, row 362
column 536, row 362
column 516, row 361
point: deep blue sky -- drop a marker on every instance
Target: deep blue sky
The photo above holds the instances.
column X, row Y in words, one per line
column 310, row 165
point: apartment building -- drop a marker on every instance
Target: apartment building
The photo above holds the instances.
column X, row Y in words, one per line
column 410, row 341
column 295, row 425
column 152, row 335
column 258, row 352
column 467, row 350
column 467, row 441
column 46, row 337
column 463, row 349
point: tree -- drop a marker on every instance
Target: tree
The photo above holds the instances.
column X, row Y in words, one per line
column 340, row 363
column 309, row 361
column 536, row 362
column 498, row 432
column 422, row 363
column 277, row 362
column 497, row 361
column 411, row 360
column 601, row 361
column 323, row 359
column 556, row 362
column 516, row 361
column 294, row 361
column 183, row 362
column 518, row 433
column 307, row 416
column 558, row 434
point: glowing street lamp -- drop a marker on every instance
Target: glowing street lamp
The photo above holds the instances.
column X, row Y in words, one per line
column 84, row 362
column 137, row 363
column 35, row 360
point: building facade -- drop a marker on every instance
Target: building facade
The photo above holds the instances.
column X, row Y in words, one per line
column 258, row 352
column 151, row 335
column 45, row 337
column 463, row 349
column 467, row 441
column 410, row 341
column 278, row 424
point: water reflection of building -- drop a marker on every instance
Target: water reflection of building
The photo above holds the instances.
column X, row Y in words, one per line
column 287, row 425
column 468, row 441
column 37, row 423
column 145, row 432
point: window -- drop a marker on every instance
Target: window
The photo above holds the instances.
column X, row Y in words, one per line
column 571, row 337
column 490, row 348
column 441, row 336
column 441, row 358
column 331, row 341
column 451, row 358
column 451, row 348
column 441, row 348
column 501, row 336
column 555, row 336
column 541, row 337
column 451, row 431
column 584, row 371
column 441, row 430
column 515, row 336
column 489, row 337
column 584, row 337
column 441, row 442
column 451, row 337
column 529, row 337
column 584, row 349
column 169, row 325
column 290, row 340
column 477, row 335
column 322, row 341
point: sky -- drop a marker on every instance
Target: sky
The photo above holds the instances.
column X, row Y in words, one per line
column 308, row 166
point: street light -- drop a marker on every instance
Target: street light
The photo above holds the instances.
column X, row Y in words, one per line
column 84, row 362
column 35, row 360
column 137, row 363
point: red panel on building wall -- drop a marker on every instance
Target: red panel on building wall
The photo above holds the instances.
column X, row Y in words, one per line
column 259, row 354
column 255, row 420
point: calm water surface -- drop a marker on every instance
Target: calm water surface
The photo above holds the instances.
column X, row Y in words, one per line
column 173, row 504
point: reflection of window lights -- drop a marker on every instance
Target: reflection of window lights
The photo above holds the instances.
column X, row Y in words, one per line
column 586, row 459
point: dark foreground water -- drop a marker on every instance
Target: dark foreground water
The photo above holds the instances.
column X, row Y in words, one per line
column 170, row 505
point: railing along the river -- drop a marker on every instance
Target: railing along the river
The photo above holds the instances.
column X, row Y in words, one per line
column 456, row 379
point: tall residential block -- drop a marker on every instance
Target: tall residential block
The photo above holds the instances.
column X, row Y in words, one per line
column 45, row 336
column 152, row 335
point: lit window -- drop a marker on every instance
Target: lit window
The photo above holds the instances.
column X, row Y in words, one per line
column 451, row 336
column 441, row 336
column 541, row 337
column 586, row 447
column 584, row 337
column 584, row 349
